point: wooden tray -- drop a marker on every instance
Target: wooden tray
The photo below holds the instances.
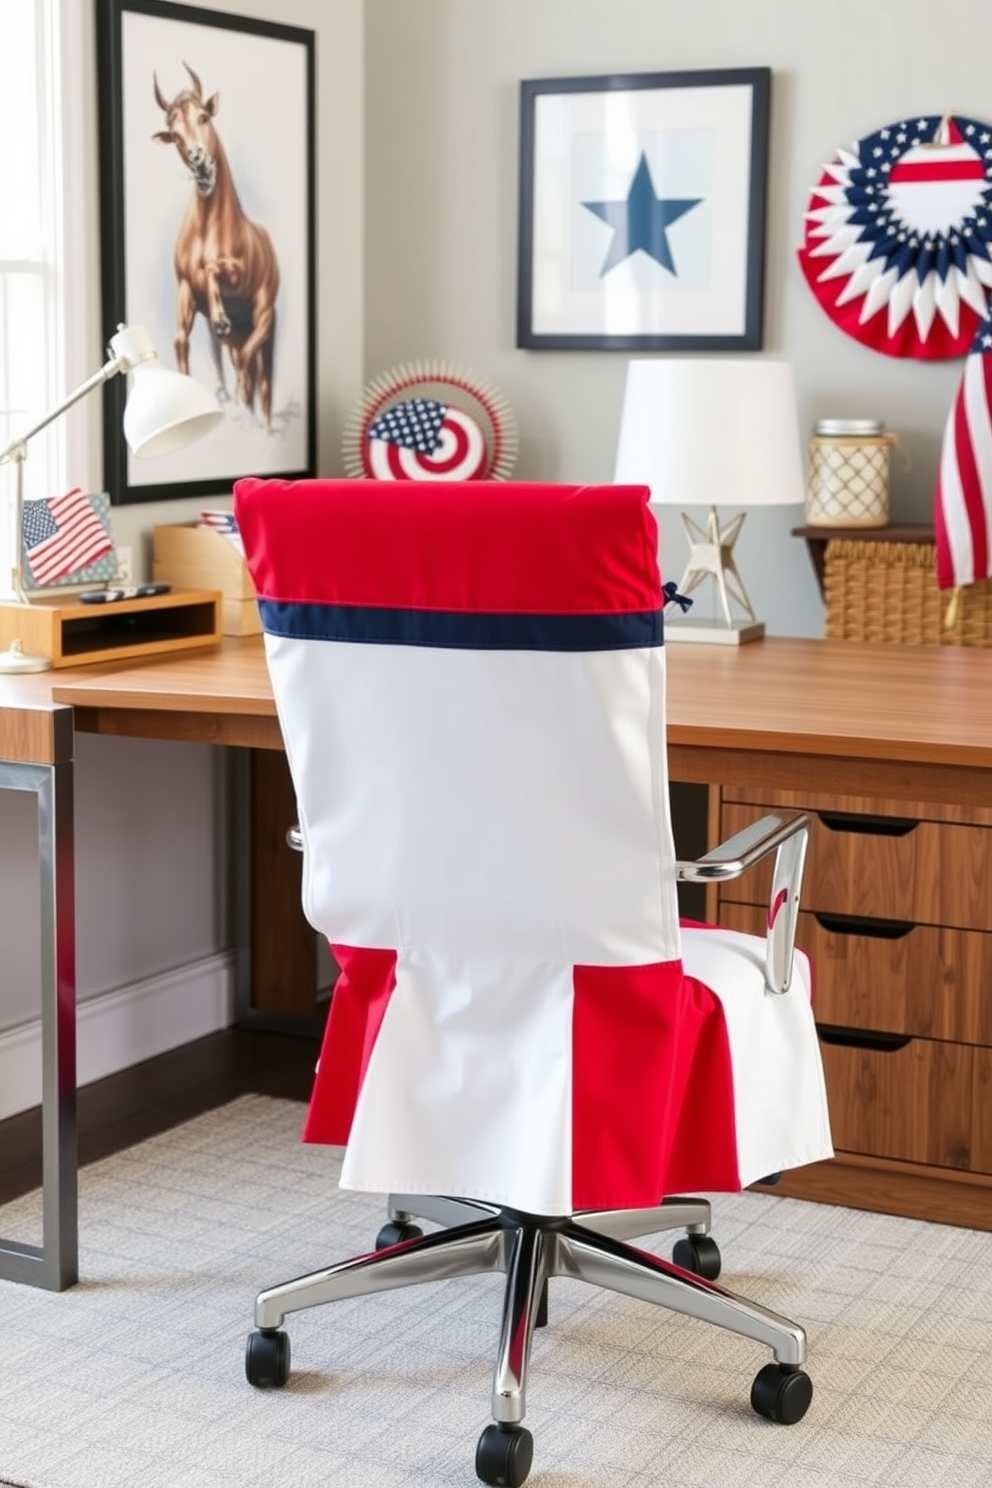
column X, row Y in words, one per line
column 71, row 634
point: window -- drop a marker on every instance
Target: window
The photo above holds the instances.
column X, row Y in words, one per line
column 31, row 297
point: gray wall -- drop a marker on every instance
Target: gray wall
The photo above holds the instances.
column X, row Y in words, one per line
column 442, row 80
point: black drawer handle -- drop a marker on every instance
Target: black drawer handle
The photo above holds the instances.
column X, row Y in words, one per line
column 863, row 925
column 862, row 1038
column 876, row 826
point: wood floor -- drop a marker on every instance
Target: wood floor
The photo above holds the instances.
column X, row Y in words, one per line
column 160, row 1093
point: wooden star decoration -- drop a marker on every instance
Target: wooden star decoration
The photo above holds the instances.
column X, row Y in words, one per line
column 711, row 556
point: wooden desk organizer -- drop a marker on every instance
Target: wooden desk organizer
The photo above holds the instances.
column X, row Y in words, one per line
column 186, row 553
column 71, row 634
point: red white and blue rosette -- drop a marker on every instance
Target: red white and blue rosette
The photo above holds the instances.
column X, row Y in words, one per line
column 898, row 237
column 428, row 421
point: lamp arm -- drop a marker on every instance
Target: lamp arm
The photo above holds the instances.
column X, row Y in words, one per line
column 17, row 452
column 110, row 368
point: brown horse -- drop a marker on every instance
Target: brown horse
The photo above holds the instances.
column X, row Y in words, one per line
column 226, row 266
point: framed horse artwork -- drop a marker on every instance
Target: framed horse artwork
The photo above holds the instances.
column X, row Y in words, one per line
column 208, row 213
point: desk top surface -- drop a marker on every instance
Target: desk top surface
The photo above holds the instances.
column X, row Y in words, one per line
column 850, row 699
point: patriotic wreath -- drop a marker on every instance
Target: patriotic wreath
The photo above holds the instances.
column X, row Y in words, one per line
column 898, row 238
column 428, row 421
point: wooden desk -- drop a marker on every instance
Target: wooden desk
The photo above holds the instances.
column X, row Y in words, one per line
column 905, row 723
column 872, row 714
column 849, row 727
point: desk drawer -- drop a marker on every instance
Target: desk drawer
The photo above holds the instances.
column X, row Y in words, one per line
column 924, row 1102
column 890, row 976
column 812, row 800
column 895, row 868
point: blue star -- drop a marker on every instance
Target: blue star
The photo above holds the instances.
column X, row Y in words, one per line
column 640, row 221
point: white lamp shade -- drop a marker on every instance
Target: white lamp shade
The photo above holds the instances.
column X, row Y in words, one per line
column 708, row 433
column 166, row 411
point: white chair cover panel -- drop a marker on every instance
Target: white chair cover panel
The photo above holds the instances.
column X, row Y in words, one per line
column 479, row 760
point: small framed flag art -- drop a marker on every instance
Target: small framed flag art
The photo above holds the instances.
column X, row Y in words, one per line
column 67, row 541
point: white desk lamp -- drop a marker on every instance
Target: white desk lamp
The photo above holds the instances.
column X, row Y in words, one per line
column 165, row 410
column 699, row 433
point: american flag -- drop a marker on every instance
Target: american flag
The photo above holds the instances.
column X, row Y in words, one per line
column 415, row 424
column 963, row 505
column 62, row 534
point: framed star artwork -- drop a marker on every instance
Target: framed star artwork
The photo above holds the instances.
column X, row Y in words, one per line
column 642, row 211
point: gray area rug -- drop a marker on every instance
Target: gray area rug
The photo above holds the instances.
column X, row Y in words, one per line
column 134, row 1378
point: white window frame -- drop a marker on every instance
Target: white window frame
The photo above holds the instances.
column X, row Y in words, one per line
column 66, row 99
column 42, row 264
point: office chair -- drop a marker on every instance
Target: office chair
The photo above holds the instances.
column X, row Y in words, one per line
column 523, row 1044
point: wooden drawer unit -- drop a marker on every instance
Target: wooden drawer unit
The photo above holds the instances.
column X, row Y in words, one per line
column 888, row 975
column 897, row 919
column 890, row 867
column 921, row 1100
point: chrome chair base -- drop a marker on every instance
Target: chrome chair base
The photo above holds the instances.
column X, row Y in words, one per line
column 529, row 1250
column 693, row 1215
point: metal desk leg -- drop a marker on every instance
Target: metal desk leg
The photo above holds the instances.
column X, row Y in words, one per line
column 55, row 1263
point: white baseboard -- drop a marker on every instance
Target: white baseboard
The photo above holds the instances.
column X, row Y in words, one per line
column 121, row 1028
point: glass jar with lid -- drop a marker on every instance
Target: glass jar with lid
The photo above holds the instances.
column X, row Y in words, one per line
column 848, row 473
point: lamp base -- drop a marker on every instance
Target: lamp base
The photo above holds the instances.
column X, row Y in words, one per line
column 711, row 556
column 714, row 632
column 16, row 659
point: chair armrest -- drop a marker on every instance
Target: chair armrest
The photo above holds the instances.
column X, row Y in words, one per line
column 788, row 837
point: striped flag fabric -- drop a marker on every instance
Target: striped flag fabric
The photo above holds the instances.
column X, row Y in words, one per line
column 62, row 534
column 963, row 504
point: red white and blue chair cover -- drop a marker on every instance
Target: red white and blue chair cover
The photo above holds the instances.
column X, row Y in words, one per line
column 471, row 684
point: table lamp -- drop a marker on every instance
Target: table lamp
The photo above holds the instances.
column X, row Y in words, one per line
column 165, row 410
column 699, row 433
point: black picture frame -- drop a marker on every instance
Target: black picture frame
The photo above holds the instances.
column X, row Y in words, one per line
column 642, row 203
column 152, row 54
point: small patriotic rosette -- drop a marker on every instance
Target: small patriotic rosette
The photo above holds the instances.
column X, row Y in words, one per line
column 429, row 421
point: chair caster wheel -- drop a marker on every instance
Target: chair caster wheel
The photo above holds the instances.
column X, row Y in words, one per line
column 781, row 1394
column 699, row 1254
column 267, row 1358
column 396, row 1231
column 504, row 1455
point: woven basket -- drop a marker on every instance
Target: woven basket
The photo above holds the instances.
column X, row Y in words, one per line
column 877, row 591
